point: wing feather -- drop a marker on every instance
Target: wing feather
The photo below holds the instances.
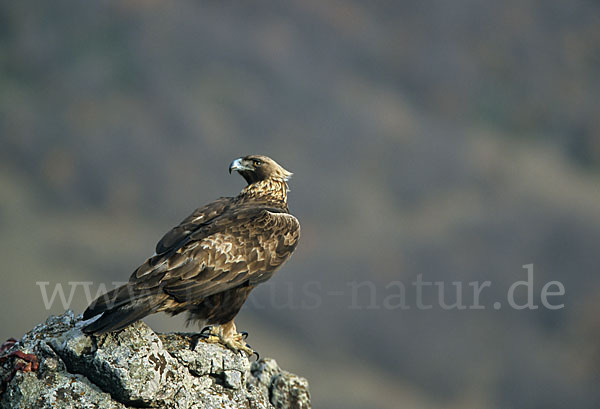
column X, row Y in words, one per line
column 242, row 245
column 179, row 234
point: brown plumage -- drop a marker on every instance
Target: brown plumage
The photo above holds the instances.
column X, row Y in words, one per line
column 209, row 263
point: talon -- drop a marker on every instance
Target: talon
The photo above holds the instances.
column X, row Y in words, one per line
column 226, row 335
column 211, row 334
column 244, row 334
column 244, row 348
column 195, row 339
column 236, row 345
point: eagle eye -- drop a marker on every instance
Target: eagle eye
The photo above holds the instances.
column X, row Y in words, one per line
column 257, row 162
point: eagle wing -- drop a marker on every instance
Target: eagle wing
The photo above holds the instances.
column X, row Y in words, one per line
column 241, row 245
column 178, row 235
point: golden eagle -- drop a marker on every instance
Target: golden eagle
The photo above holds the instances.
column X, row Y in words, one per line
column 208, row 264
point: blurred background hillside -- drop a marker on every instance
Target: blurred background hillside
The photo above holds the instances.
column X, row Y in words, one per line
column 459, row 140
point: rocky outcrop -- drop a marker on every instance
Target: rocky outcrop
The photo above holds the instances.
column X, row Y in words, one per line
column 55, row 365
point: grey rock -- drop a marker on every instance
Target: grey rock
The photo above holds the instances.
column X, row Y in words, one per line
column 136, row 367
column 285, row 390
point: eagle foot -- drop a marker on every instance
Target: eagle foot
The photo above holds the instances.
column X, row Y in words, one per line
column 234, row 341
column 239, row 346
column 211, row 334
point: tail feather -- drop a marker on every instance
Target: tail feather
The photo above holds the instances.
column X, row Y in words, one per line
column 119, row 308
column 110, row 300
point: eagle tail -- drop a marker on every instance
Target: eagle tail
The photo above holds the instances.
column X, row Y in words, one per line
column 120, row 307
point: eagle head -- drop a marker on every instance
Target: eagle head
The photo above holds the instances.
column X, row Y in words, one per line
column 255, row 168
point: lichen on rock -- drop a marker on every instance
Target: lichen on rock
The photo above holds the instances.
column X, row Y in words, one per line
column 137, row 367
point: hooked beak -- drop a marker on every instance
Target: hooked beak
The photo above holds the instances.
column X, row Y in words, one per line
column 239, row 166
